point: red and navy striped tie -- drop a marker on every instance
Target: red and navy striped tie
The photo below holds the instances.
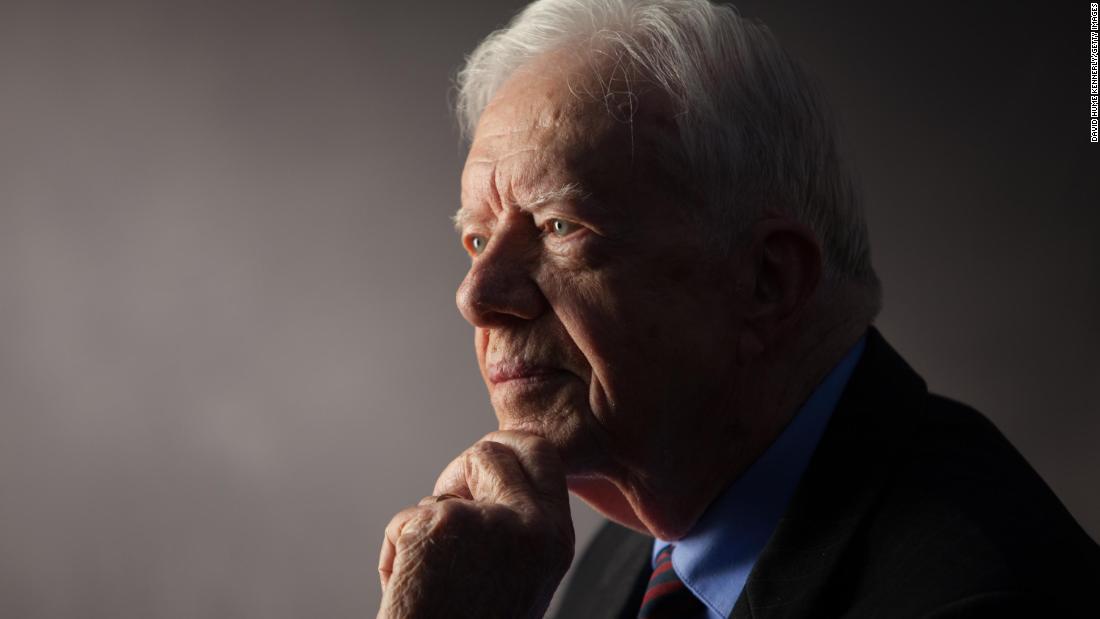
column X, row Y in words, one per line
column 666, row 597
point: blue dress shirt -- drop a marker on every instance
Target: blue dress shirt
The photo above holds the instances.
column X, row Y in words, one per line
column 715, row 558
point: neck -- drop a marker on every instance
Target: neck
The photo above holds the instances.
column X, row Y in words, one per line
column 666, row 500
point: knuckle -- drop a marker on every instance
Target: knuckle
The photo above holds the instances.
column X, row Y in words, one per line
column 393, row 527
column 450, row 475
column 539, row 446
column 523, row 440
column 489, row 449
column 516, row 498
column 501, row 519
column 452, row 517
column 415, row 526
column 416, row 541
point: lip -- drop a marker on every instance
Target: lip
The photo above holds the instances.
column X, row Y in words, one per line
column 518, row 370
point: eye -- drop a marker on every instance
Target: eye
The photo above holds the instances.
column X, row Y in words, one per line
column 476, row 243
column 561, row 227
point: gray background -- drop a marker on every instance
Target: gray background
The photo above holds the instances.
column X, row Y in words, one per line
column 230, row 350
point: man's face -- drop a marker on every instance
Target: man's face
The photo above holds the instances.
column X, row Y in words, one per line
column 600, row 322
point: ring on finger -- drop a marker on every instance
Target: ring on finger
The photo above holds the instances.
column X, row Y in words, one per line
column 436, row 498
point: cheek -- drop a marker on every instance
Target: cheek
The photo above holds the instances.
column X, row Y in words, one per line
column 584, row 306
column 638, row 332
column 601, row 322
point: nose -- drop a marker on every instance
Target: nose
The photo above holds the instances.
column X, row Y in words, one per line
column 499, row 288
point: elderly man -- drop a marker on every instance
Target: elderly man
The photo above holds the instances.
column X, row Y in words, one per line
column 671, row 292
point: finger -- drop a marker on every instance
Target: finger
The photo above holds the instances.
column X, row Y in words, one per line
column 396, row 527
column 385, row 561
column 539, row 459
column 487, row 471
column 494, row 474
column 453, row 479
column 436, row 498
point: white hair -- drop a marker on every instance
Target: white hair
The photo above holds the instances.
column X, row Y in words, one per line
column 753, row 128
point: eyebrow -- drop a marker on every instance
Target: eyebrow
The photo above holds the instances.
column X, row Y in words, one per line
column 567, row 192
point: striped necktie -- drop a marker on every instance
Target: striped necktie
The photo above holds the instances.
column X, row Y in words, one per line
column 666, row 597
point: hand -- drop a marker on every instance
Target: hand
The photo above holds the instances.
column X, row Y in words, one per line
column 499, row 549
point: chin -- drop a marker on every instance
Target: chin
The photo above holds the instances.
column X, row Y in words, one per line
column 576, row 444
column 606, row 498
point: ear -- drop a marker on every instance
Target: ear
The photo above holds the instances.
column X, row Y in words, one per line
column 779, row 274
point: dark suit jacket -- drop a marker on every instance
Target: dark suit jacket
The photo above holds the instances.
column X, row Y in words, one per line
column 912, row 506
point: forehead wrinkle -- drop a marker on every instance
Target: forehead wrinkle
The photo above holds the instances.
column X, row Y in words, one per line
column 517, row 157
column 518, row 179
column 498, row 167
column 475, row 191
column 533, row 126
column 493, row 161
column 568, row 192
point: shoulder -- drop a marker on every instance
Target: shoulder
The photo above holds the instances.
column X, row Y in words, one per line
column 964, row 521
column 959, row 468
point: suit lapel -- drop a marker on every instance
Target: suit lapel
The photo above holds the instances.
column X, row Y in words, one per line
column 840, row 487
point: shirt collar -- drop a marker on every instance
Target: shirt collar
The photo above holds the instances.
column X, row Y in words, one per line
column 715, row 558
